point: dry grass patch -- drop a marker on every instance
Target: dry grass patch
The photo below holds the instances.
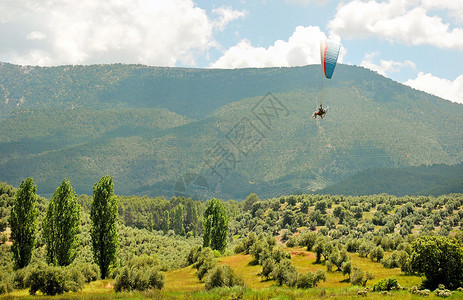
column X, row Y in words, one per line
column 182, row 280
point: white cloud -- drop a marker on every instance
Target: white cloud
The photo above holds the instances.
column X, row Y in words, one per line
column 226, row 15
column 302, row 48
column 441, row 87
column 156, row 32
column 307, row 2
column 36, row 35
column 385, row 66
column 401, row 21
column 454, row 8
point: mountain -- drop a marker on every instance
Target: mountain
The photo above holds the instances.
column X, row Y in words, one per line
column 207, row 132
column 436, row 180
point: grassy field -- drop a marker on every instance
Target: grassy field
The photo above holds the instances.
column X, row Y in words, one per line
column 183, row 283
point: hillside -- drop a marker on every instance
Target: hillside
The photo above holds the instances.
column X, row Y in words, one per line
column 82, row 122
column 421, row 180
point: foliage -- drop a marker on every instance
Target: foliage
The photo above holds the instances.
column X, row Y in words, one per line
column 205, row 262
column 23, row 221
column 110, row 127
column 141, row 273
column 222, row 276
column 61, row 225
column 310, row 279
column 215, row 226
column 50, row 280
column 6, row 281
column 440, row 259
column 359, row 277
column 386, row 284
column 104, row 228
column 284, row 272
column 397, row 259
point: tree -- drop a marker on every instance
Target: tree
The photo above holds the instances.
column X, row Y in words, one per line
column 215, row 226
column 177, row 220
column 61, row 225
column 440, row 259
column 23, row 222
column 165, row 225
column 103, row 231
column 250, row 200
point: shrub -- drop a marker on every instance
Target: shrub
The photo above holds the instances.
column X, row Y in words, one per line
column 19, row 278
column 358, row 277
column 75, row 279
column 396, row 259
column 49, row 280
column 139, row 279
column 141, row 273
column 386, row 284
column 440, row 259
column 377, row 253
column 282, row 272
column 307, row 239
column 6, row 281
column 222, row 276
column 193, row 255
column 292, row 241
column 205, row 262
column 310, row 279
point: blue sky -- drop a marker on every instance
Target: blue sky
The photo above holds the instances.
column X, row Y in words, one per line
column 416, row 42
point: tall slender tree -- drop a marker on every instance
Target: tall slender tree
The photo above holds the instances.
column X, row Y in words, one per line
column 103, row 230
column 61, row 225
column 178, row 219
column 23, row 222
column 215, row 226
column 165, row 222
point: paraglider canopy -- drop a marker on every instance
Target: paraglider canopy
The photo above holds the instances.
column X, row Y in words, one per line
column 329, row 51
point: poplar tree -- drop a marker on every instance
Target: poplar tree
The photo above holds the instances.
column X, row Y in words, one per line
column 23, row 222
column 215, row 226
column 103, row 230
column 165, row 222
column 177, row 220
column 61, row 225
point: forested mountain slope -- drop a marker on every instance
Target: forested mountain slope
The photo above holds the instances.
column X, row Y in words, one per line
column 155, row 129
column 433, row 180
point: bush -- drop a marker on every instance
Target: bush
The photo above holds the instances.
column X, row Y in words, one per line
column 310, row 279
column 139, row 279
column 292, row 241
column 193, row 255
column 396, row 259
column 49, row 280
column 75, row 279
column 386, row 284
column 283, row 272
column 6, row 281
column 19, row 278
column 222, row 276
column 91, row 272
column 358, row 277
column 205, row 262
column 141, row 273
column 440, row 259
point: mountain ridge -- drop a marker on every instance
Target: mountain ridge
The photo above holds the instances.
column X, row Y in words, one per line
column 373, row 122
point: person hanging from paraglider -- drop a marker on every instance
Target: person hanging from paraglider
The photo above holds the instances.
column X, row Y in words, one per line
column 320, row 112
column 329, row 52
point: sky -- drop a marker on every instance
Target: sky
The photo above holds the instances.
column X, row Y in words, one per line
column 416, row 42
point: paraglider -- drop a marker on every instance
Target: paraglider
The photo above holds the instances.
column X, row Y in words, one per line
column 320, row 112
column 329, row 52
